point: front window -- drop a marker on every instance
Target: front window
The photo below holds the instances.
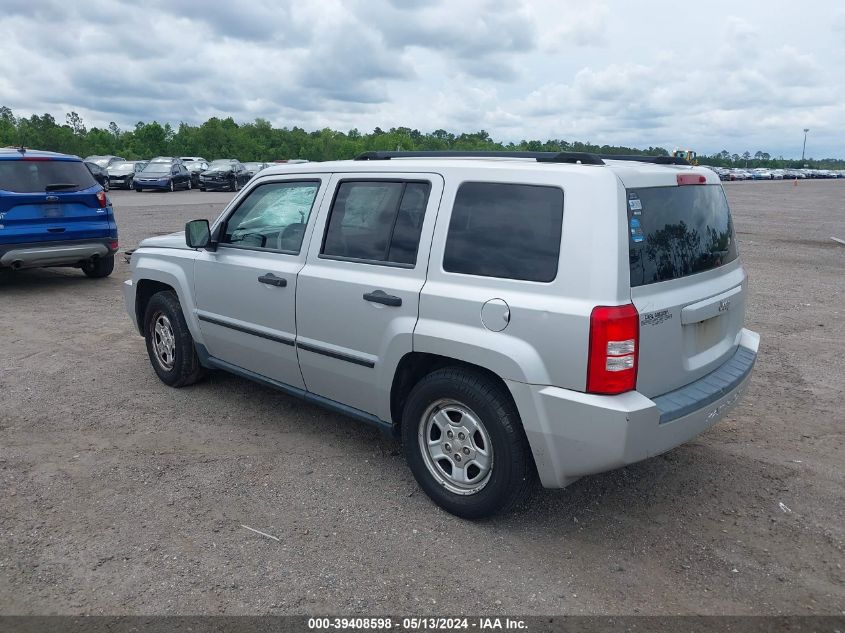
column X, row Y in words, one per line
column 273, row 216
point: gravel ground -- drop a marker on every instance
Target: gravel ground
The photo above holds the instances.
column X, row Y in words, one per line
column 119, row 495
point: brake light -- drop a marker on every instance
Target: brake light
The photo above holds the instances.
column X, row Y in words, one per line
column 101, row 198
column 113, row 245
column 691, row 179
column 614, row 345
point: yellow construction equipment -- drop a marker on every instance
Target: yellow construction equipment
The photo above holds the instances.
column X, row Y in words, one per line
column 687, row 154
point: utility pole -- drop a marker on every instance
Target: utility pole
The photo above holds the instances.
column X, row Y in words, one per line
column 803, row 149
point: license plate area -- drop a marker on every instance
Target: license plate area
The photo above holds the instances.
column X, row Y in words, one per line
column 52, row 210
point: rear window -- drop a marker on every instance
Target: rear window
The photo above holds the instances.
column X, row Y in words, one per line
column 678, row 231
column 506, row 231
column 35, row 176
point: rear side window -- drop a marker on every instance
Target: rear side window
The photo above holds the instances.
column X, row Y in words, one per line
column 38, row 176
column 507, row 231
column 678, row 231
column 377, row 221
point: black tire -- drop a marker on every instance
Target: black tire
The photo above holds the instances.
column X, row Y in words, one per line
column 99, row 268
column 202, row 188
column 189, row 185
column 172, row 186
column 234, row 185
column 138, row 189
column 512, row 478
column 106, row 185
column 131, row 184
column 185, row 368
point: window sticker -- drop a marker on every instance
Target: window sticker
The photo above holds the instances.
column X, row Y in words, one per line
column 637, row 235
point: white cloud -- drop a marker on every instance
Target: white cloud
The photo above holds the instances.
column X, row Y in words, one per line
column 735, row 76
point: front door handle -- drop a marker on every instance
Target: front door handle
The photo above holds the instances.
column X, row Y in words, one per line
column 380, row 296
column 271, row 280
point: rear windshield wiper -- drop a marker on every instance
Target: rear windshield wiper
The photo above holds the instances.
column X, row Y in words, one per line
column 60, row 185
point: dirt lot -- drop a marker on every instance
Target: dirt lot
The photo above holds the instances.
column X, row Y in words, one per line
column 119, row 495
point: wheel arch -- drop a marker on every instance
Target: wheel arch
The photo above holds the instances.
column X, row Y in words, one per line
column 146, row 289
column 414, row 366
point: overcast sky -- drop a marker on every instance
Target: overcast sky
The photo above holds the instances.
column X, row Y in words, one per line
column 735, row 75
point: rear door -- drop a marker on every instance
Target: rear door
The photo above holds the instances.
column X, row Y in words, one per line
column 49, row 199
column 687, row 282
column 358, row 295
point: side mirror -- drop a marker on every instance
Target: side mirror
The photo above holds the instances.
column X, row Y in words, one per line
column 198, row 234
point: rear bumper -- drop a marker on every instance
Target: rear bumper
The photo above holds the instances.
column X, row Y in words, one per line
column 574, row 434
column 66, row 253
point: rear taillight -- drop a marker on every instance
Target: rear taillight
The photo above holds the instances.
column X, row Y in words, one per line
column 114, row 245
column 101, row 198
column 691, row 179
column 614, row 345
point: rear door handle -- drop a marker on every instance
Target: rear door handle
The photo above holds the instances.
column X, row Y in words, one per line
column 271, row 280
column 380, row 296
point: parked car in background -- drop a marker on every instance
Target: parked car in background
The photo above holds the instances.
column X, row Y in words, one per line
column 100, row 174
column 192, row 159
column 226, row 174
column 103, row 161
column 195, row 168
column 253, row 168
column 122, row 174
column 54, row 213
column 163, row 174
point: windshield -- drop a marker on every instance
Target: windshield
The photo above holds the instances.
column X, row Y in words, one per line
column 102, row 162
column 220, row 165
column 23, row 176
column 678, row 231
column 157, row 168
column 122, row 166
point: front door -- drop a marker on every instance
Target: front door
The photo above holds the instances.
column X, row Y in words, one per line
column 246, row 289
column 358, row 294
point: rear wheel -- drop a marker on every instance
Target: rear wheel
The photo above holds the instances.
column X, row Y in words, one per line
column 170, row 345
column 106, row 185
column 464, row 443
column 131, row 184
column 233, row 186
column 172, row 186
column 100, row 267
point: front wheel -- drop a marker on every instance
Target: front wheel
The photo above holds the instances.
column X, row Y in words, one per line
column 234, row 185
column 172, row 186
column 138, row 189
column 99, row 268
column 464, row 443
column 170, row 345
column 106, row 185
column 131, row 184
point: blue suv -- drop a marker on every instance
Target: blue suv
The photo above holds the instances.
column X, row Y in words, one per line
column 53, row 213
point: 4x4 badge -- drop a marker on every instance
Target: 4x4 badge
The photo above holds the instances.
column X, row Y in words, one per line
column 724, row 305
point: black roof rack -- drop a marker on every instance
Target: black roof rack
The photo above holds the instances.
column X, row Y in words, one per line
column 585, row 158
column 657, row 160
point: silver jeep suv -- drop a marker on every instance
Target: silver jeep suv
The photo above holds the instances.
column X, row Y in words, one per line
column 509, row 315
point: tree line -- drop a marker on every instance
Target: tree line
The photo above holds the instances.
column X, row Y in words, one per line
column 260, row 141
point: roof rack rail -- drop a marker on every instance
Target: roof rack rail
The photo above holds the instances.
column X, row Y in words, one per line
column 657, row 160
column 585, row 158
